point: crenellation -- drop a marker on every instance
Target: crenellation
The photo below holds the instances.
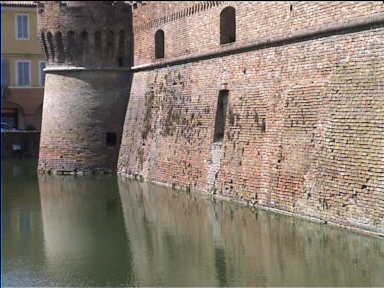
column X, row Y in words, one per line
column 76, row 22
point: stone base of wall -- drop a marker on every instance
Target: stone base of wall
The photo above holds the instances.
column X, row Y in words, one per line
column 76, row 172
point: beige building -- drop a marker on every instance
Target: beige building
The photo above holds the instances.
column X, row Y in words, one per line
column 22, row 64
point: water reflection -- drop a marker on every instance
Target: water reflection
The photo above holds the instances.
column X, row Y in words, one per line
column 22, row 236
column 171, row 236
column 85, row 240
column 112, row 231
column 180, row 238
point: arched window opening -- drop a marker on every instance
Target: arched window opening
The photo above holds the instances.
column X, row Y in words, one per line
column 221, row 113
column 228, row 25
column 50, row 45
column 45, row 48
column 159, row 44
column 60, row 47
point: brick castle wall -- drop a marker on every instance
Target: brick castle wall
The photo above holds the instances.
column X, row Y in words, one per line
column 80, row 108
column 305, row 119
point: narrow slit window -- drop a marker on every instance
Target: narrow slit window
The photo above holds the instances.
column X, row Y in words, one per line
column 45, row 47
column 98, row 46
column 50, row 45
column 159, row 44
column 71, row 45
column 221, row 112
column 120, row 61
column 121, row 49
column 111, row 139
column 228, row 25
column 60, row 48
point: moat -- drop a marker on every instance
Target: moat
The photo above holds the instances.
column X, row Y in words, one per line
column 107, row 230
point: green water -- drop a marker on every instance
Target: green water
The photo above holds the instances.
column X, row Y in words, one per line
column 110, row 231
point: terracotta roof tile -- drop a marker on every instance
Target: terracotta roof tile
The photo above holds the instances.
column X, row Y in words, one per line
column 18, row 3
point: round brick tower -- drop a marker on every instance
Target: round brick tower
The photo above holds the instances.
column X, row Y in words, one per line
column 88, row 48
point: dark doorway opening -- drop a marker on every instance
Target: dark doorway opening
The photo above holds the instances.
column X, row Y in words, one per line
column 111, row 139
column 221, row 112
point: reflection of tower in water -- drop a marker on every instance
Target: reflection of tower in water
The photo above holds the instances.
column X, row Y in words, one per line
column 84, row 230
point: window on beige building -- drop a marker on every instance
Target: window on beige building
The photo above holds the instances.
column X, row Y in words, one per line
column 23, row 73
column 22, row 27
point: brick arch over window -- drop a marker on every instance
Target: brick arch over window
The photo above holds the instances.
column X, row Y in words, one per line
column 159, row 44
column 228, row 25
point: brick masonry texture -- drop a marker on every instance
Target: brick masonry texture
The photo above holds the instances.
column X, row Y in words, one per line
column 79, row 109
column 86, row 87
column 304, row 126
column 321, row 102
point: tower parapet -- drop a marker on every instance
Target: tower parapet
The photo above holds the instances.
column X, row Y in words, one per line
column 85, row 33
column 88, row 48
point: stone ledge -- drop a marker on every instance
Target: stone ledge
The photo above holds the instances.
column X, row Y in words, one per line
column 75, row 172
column 76, row 68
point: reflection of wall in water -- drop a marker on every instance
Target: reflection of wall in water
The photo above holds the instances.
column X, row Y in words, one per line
column 170, row 235
column 83, row 222
column 21, row 212
column 276, row 250
column 183, row 238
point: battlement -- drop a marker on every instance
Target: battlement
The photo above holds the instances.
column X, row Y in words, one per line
column 86, row 33
column 182, row 11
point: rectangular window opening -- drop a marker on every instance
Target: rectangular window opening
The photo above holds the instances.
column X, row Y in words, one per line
column 23, row 71
column 22, row 27
column 111, row 139
column 221, row 116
